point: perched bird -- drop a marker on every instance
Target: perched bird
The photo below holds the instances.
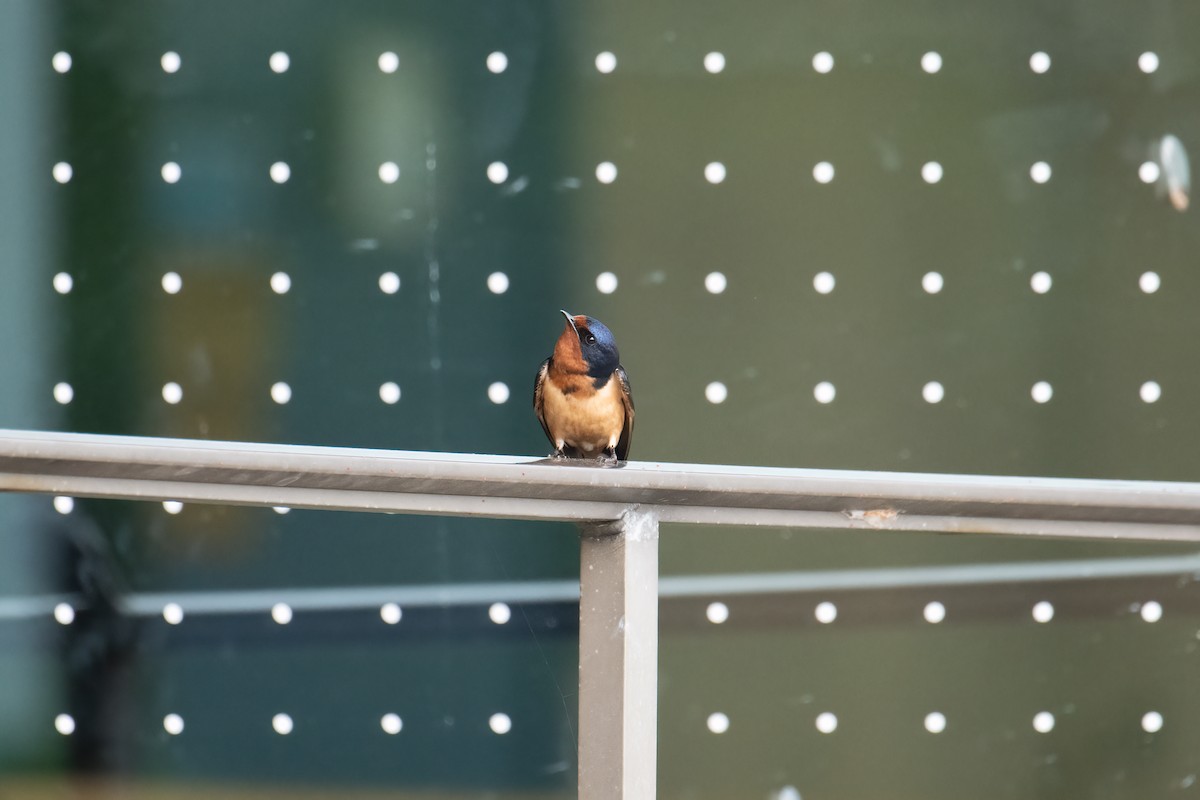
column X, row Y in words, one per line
column 581, row 395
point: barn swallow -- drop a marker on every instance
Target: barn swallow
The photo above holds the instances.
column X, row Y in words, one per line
column 581, row 395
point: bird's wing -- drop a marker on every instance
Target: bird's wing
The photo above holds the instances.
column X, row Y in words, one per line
column 538, row 404
column 627, row 401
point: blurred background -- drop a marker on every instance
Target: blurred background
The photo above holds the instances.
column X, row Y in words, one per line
column 933, row 236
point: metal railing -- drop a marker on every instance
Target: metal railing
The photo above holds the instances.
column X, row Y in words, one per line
column 619, row 511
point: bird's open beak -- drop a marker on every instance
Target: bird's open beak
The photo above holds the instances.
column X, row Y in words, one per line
column 570, row 319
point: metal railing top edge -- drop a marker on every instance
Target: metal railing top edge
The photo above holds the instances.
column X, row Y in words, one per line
column 537, row 488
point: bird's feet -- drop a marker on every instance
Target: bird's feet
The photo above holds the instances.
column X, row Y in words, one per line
column 558, row 455
column 609, row 458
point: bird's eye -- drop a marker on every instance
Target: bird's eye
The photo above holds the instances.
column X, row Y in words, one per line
column 591, row 339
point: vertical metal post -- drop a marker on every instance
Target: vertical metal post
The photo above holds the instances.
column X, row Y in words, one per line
column 618, row 658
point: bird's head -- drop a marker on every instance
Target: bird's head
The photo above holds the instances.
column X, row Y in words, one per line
column 587, row 345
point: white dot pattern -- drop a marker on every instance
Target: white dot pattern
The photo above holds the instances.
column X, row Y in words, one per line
column 718, row 722
column 388, row 62
column 716, row 392
column 499, row 613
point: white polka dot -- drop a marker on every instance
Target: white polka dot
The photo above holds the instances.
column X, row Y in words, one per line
column 714, row 172
column 606, row 62
column 823, row 172
column 931, row 62
column 934, row 612
column 824, row 282
column 172, row 392
column 1040, row 172
column 932, row 172
column 824, row 392
column 391, row 724
column 280, row 172
column 172, row 283
column 933, row 392
column 61, row 62
column 822, row 62
column 1040, row 282
column 171, row 172
column 715, row 282
column 281, row 510
column 281, row 393
column 1150, row 392
column 283, row 724
column 932, row 282
column 500, row 723
column 281, row 613
column 64, row 505
column 64, row 614
column 63, row 393
column 390, row 393
column 714, row 62
column 1043, row 722
column 718, row 723
column 389, row 172
column 172, row 507
column 497, row 62
column 1039, row 62
column 827, row 722
column 1043, row 611
column 717, row 613
column 1042, row 392
column 171, row 61
column 391, row 613
column 1152, row 722
column 1148, row 172
column 825, row 612
column 606, row 172
column 64, row 724
column 606, row 282
column 935, row 722
column 173, row 724
column 498, row 392
column 281, row 283
column 1149, row 282
column 1148, row 62
column 389, row 283
column 497, row 283
column 497, row 172
column 62, row 172
column 716, row 392
column 499, row 613
column 787, row 793
column 279, row 62
column 63, row 283
column 389, row 62
column 173, row 613
column 1152, row 611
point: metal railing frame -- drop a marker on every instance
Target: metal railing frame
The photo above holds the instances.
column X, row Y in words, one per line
column 619, row 511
